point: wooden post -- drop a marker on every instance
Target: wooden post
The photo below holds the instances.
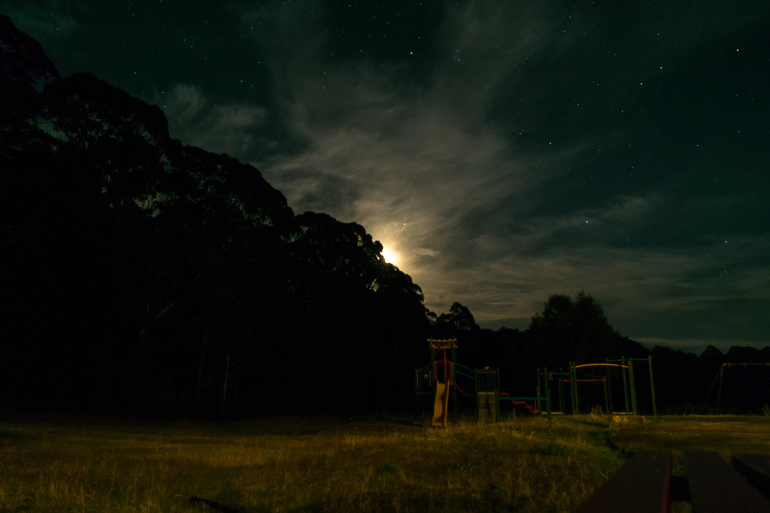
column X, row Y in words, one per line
column 454, row 385
column 625, row 385
column 547, row 393
column 632, row 385
column 719, row 392
column 573, row 388
column 198, row 385
column 224, row 387
column 607, row 401
column 652, row 388
column 608, row 390
column 432, row 365
column 497, row 397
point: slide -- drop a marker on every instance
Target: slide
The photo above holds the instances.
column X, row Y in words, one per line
column 525, row 404
column 441, row 405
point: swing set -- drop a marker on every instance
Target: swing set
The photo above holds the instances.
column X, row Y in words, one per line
column 759, row 388
column 626, row 367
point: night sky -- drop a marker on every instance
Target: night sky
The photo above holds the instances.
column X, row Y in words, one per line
column 501, row 151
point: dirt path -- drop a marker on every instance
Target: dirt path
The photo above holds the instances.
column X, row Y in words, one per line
column 723, row 434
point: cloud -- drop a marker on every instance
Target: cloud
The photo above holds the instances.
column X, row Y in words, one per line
column 445, row 171
column 43, row 19
column 421, row 159
column 646, row 293
column 227, row 128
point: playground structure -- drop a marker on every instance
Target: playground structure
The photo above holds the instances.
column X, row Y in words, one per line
column 440, row 379
column 443, row 372
column 624, row 365
column 747, row 390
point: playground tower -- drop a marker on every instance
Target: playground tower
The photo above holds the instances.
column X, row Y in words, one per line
column 443, row 371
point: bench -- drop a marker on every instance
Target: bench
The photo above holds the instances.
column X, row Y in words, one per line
column 645, row 485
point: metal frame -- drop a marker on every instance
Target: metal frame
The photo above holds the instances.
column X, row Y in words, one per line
column 721, row 375
column 626, row 366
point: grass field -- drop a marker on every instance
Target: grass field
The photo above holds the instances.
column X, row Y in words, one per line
column 725, row 434
column 304, row 464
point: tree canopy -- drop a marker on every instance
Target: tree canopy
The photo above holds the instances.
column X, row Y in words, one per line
column 151, row 276
column 572, row 330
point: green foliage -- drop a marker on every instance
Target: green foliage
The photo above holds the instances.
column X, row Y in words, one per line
column 766, row 410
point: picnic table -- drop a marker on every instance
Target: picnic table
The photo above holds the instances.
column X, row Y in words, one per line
column 645, row 485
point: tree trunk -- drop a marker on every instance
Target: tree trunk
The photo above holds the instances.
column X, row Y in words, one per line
column 198, row 385
column 224, row 387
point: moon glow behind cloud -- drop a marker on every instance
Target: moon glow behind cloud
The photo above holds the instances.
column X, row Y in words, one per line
column 389, row 256
column 531, row 148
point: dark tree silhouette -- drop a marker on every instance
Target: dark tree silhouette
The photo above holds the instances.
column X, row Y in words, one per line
column 353, row 311
column 144, row 276
column 570, row 330
column 154, row 277
column 459, row 319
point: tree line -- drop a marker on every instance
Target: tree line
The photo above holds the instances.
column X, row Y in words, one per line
column 149, row 276
column 144, row 276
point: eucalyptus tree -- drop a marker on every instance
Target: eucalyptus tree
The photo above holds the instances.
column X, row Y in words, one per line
column 570, row 330
column 169, row 276
column 359, row 318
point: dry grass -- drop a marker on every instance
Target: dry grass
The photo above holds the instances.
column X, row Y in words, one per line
column 305, row 464
column 725, row 434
